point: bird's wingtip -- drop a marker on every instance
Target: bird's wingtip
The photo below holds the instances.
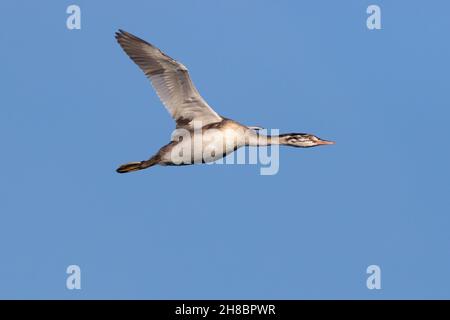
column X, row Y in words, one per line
column 120, row 33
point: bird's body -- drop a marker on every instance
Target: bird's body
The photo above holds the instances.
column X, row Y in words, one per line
column 222, row 137
column 226, row 136
column 201, row 134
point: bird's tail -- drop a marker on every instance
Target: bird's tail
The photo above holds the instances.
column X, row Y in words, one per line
column 135, row 166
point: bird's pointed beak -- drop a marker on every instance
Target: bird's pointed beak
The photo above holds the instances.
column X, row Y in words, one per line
column 323, row 142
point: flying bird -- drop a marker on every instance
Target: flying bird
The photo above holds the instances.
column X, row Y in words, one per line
column 193, row 116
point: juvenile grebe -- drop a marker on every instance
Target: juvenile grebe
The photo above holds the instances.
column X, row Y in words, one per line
column 219, row 135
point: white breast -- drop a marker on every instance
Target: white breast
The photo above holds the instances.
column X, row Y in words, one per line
column 208, row 146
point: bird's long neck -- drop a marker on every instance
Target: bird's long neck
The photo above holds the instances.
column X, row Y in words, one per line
column 261, row 140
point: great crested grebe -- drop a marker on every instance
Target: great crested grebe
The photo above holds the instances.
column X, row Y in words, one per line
column 193, row 115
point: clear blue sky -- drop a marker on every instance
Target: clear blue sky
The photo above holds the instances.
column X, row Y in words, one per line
column 74, row 107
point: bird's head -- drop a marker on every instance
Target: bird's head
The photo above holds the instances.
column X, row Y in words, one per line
column 302, row 140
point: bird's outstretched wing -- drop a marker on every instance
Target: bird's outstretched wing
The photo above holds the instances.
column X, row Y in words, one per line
column 171, row 81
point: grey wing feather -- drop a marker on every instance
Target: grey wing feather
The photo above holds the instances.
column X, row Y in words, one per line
column 171, row 81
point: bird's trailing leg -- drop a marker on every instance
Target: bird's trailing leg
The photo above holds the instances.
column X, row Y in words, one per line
column 135, row 166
